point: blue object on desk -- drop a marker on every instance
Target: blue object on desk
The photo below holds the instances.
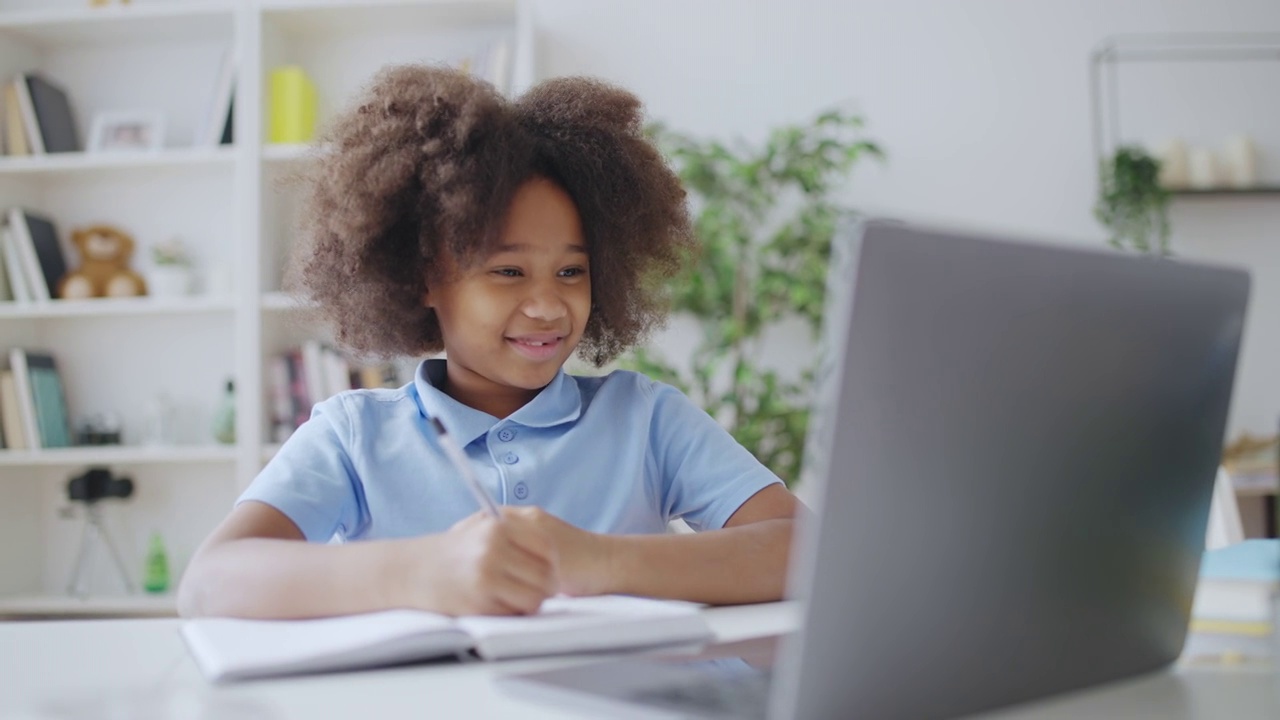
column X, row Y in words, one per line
column 1250, row 560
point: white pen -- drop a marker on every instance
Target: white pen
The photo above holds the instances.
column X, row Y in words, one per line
column 463, row 467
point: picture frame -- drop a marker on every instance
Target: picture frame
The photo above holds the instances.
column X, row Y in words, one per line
column 138, row 131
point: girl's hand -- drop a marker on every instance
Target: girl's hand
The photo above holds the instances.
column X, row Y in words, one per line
column 478, row 567
column 584, row 567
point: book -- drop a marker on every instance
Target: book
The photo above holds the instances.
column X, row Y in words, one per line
column 6, row 287
column 235, row 649
column 1239, row 582
column 15, row 436
column 281, row 399
column 49, row 399
column 14, row 128
column 13, row 267
column 27, row 115
column 228, row 125
column 40, row 250
column 215, row 124
column 313, row 373
column 298, row 392
column 337, row 372
column 55, row 124
column 24, row 399
column 381, row 375
column 1237, row 605
column 25, row 250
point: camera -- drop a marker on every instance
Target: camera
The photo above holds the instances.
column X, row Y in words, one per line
column 96, row 484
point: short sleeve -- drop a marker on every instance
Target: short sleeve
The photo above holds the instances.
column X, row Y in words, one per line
column 311, row 479
column 706, row 475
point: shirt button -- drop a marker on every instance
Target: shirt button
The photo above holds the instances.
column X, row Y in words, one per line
column 522, row 491
column 512, row 458
column 506, row 434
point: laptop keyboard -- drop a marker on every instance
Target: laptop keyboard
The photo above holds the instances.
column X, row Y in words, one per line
column 742, row 693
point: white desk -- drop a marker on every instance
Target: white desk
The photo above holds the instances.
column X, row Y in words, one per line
column 140, row 669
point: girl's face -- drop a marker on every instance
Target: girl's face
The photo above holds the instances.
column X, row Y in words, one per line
column 511, row 321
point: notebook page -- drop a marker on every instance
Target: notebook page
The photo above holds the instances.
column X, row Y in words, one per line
column 583, row 624
column 232, row 648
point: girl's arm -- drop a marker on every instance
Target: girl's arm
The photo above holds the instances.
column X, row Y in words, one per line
column 257, row 564
column 743, row 563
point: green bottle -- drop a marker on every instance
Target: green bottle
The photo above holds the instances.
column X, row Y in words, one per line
column 224, row 416
column 157, row 575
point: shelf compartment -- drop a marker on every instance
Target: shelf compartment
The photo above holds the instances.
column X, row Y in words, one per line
column 118, row 455
column 115, row 307
column 80, row 161
column 120, row 24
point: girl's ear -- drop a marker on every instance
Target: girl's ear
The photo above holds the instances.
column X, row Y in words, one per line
column 427, row 300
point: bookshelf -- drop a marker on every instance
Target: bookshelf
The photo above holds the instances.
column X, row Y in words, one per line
column 232, row 210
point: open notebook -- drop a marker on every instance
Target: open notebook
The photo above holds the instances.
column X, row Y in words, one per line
column 235, row 649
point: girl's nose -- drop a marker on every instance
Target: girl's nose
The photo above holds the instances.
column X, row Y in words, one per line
column 545, row 303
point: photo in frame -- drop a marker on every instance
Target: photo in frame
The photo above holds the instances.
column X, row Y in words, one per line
column 126, row 132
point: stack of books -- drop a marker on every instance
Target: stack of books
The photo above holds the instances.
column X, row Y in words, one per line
column 1236, row 615
column 31, row 261
column 303, row 376
column 38, row 118
column 33, row 402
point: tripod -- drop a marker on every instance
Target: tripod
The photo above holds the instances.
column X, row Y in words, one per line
column 93, row 526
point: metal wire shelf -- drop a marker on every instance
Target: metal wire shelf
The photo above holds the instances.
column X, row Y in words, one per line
column 1114, row 51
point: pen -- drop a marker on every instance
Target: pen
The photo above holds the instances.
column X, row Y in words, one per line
column 464, row 469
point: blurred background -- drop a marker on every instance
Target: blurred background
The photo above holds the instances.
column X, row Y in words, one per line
column 147, row 148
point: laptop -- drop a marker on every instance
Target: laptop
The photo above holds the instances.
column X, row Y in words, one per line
column 1014, row 460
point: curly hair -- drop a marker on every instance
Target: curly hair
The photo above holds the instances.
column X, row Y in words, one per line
column 419, row 175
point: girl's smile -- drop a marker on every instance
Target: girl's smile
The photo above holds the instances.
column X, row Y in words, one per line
column 538, row 346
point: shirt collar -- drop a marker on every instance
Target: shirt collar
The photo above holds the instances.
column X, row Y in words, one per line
column 559, row 402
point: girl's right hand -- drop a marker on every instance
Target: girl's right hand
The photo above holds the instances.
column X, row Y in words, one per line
column 479, row 567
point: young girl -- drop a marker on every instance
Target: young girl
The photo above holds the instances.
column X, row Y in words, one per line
column 508, row 234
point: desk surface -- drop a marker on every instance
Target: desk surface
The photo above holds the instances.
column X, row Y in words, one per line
column 140, row 669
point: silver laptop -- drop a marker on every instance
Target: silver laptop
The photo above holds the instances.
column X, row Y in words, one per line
column 1015, row 471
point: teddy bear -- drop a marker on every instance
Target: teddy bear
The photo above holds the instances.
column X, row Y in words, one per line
column 104, row 266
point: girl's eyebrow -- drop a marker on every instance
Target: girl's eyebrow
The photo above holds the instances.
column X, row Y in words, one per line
column 521, row 247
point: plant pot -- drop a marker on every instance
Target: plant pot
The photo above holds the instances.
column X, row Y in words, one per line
column 169, row 281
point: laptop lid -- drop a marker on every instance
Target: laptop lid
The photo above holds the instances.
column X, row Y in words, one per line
column 1016, row 459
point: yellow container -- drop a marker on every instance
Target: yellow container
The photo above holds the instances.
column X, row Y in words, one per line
column 293, row 106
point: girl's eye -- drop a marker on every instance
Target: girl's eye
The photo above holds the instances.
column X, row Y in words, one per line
column 573, row 272
column 507, row 272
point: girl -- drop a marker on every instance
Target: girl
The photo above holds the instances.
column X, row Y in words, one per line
column 508, row 234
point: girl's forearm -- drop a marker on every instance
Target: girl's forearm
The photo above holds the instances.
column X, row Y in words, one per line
column 274, row 578
column 742, row 564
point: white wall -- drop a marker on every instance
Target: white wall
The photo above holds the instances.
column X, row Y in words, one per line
column 983, row 106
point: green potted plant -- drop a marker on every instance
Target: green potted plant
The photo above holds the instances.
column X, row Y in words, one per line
column 1132, row 204
column 171, row 274
column 765, row 217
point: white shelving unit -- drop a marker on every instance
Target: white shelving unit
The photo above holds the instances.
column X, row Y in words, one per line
column 230, row 209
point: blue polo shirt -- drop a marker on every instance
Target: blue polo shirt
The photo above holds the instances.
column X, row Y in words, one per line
column 613, row 454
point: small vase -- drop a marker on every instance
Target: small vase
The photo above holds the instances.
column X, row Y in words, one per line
column 1175, row 172
column 1240, row 163
column 1202, row 169
column 169, row 281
